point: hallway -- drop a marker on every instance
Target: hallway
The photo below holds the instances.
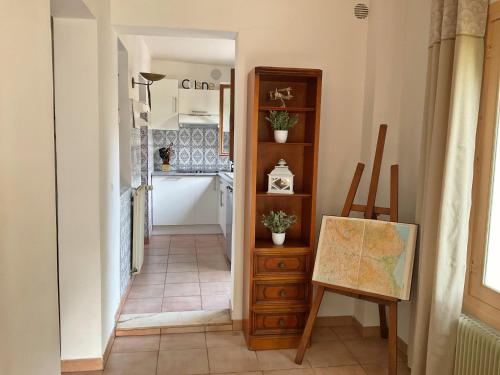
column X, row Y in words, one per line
column 181, row 273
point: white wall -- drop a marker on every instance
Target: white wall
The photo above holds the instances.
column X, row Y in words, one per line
column 77, row 147
column 304, row 35
column 193, row 71
column 139, row 60
column 374, row 72
column 109, row 171
column 28, row 282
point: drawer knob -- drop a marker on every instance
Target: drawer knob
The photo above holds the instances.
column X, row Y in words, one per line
column 281, row 265
column 281, row 323
column 282, row 293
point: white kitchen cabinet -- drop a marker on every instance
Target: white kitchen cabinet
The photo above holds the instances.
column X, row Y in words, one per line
column 199, row 102
column 184, row 200
column 221, row 203
column 165, row 104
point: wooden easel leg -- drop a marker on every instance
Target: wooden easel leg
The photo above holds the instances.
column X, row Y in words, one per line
column 393, row 338
column 383, row 321
column 309, row 325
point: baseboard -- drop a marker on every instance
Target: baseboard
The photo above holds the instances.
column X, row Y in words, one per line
column 89, row 364
column 124, row 298
column 334, row 321
column 374, row 331
column 369, row 331
column 81, row 365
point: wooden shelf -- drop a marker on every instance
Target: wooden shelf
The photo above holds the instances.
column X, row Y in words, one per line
column 289, row 109
column 295, row 195
column 300, row 153
column 268, row 143
column 289, row 244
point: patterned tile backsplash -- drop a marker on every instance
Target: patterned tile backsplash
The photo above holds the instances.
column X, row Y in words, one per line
column 194, row 149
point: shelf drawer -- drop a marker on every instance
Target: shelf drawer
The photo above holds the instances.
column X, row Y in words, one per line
column 272, row 323
column 276, row 264
column 271, row 292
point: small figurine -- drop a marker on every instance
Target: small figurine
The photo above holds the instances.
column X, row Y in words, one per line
column 165, row 154
column 282, row 95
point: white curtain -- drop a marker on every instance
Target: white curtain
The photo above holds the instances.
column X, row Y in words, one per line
column 456, row 55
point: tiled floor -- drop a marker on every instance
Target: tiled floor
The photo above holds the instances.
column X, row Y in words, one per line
column 181, row 273
column 334, row 351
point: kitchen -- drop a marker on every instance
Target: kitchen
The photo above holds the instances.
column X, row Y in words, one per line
column 189, row 209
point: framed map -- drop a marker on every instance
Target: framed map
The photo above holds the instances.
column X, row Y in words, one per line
column 366, row 255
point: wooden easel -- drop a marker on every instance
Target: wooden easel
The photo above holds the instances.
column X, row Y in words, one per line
column 370, row 212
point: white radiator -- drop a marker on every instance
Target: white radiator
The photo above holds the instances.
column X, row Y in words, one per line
column 478, row 348
column 139, row 202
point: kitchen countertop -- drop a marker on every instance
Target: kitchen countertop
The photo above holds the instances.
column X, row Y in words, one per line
column 226, row 176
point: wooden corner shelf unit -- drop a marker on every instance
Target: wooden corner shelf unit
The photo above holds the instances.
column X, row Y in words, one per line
column 277, row 279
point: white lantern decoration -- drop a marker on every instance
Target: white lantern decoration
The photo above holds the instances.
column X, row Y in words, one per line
column 280, row 179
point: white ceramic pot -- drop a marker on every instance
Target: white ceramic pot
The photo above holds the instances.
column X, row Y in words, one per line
column 279, row 238
column 280, row 136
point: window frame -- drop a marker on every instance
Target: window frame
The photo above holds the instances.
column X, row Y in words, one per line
column 480, row 300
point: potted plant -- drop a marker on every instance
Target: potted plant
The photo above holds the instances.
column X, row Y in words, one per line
column 278, row 222
column 281, row 122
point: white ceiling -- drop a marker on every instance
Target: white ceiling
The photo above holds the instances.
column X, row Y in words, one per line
column 196, row 50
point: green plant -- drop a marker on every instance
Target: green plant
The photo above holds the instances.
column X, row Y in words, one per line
column 279, row 221
column 282, row 120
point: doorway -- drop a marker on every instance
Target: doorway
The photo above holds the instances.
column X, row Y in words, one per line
column 186, row 122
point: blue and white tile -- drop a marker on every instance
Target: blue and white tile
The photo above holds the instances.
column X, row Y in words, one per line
column 197, row 157
column 210, row 136
column 184, row 137
column 197, row 139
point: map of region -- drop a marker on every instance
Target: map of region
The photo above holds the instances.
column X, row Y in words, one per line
column 366, row 255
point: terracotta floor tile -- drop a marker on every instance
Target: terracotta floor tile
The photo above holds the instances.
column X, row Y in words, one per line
column 211, row 258
column 177, row 341
column 215, row 302
column 181, row 303
column 381, row 369
column 331, row 353
column 154, row 268
column 182, row 243
column 85, row 373
column 156, row 252
column 232, row 359
column 320, row 334
column 182, row 290
column 142, row 306
column 189, row 361
column 245, row 373
column 305, row 371
column 206, row 277
column 217, row 287
column 279, row 360
column 210, row 250
column 181, row 277
column 146, row 291
column 341, row 370
column 183, row 267
column 182, row 251
column 181, row 258
column 225, row 339
column 369, row 351
column 149, row 279
column 347, row 333
column 154, row 259
column 128, row 344
column 211, row 266
column 140, row 363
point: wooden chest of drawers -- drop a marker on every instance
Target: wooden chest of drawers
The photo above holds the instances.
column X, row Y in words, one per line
column 277, row 279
